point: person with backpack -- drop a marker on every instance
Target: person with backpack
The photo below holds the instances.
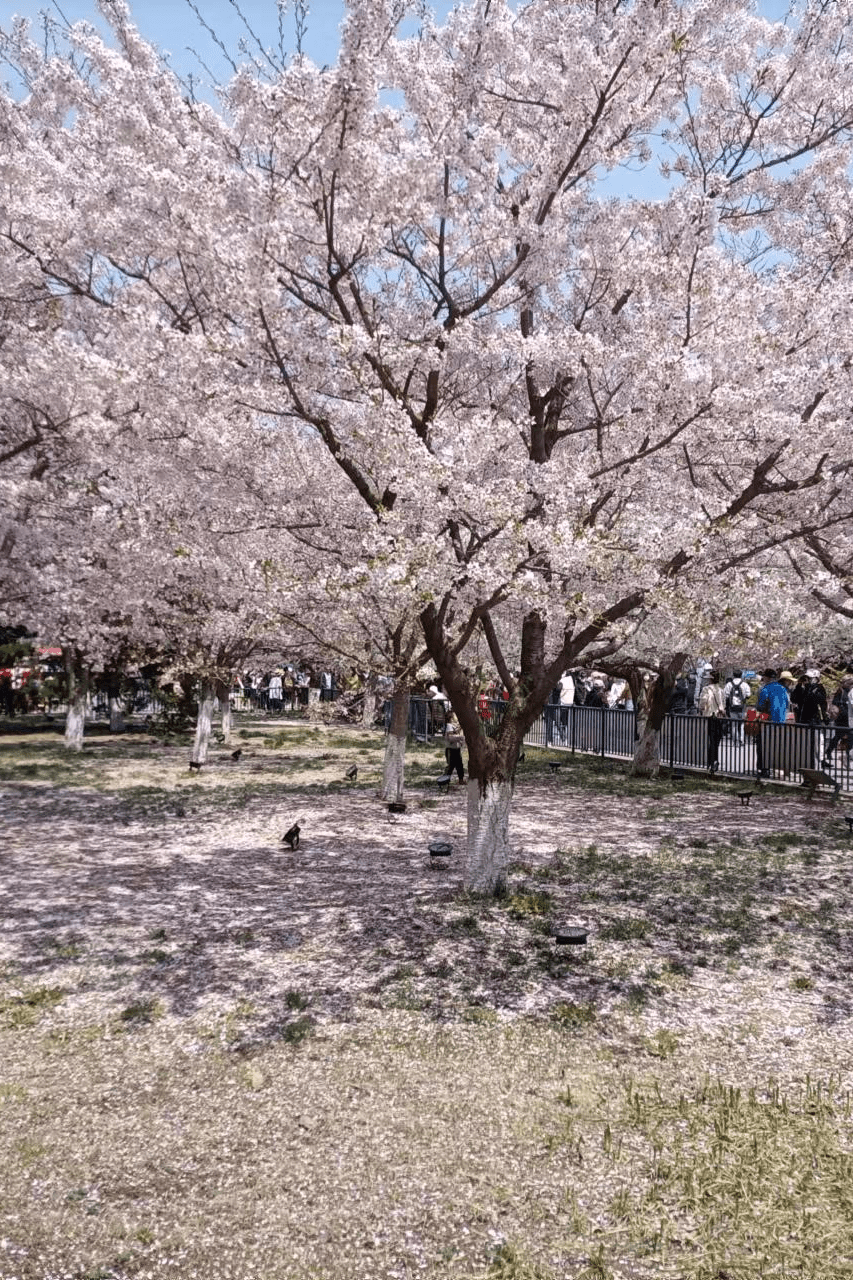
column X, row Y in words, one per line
column 736, row 693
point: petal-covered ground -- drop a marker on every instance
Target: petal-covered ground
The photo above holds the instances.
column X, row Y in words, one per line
column 221, row 1057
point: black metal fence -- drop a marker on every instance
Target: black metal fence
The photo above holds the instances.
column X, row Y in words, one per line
column 735, row 748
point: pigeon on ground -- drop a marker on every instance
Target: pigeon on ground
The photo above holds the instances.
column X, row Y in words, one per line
column 352, row 772
column 235, row 755
column 291, row 837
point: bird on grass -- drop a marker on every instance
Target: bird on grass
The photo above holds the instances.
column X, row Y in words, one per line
column 235, row 755
column 291, row 837
column 195, row 766
column 352, row 772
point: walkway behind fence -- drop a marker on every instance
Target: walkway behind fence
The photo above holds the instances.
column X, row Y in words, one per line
column 777, row 751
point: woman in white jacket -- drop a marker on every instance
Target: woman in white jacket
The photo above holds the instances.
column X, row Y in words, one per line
column 712, row 705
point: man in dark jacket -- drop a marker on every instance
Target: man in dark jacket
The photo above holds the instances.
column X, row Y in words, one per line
column 811, row 703
column 839, row 715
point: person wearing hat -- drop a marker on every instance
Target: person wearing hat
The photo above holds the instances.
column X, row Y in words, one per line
column 810, row 704
column 774, row 700
column 774, row 697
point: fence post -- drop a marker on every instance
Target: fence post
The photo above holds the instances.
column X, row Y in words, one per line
column 670, row 720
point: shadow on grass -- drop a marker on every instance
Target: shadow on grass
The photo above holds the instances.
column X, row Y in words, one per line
column 170, row 896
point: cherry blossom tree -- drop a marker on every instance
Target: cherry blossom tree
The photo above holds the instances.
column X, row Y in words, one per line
column 558, row 406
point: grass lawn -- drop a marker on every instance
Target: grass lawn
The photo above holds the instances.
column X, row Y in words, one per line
column 222, row 1059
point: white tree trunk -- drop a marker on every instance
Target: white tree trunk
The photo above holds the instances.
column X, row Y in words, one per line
column 204, row 720
column 116, row 715
column 646, row 763
column 75, row 719
column 368, row 710
column 78, row 692
column 223, row 695
column 226, row 721
column 394, row 767
column 488, row 835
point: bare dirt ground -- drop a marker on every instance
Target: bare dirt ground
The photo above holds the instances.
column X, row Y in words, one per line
column 221, row 1058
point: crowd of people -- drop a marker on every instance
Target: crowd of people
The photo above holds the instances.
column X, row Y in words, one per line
column 731, row 706
column 781, row 698
column 284, row 688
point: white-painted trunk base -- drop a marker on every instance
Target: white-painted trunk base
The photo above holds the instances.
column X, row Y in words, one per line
column 116, row 716
column 646, row 762
column 488, row 835
column 75, row 721
column 227, row 724
column 203, row 724
column 369, row 707
column 394, row 768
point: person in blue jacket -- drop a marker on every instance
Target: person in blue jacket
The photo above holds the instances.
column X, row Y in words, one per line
column 774, row 697
column 775, row 700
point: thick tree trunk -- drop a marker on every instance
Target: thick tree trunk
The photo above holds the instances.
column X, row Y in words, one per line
column 646, row 763
column 492, row 760
column 488, row 851
column 223, row 697
column 393, row 771
column 116, row 715
column 204, row 720
column 113, row 687
column 368, row 710
column 78, row 692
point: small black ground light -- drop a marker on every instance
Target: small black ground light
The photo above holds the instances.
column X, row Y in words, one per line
column 570, row 935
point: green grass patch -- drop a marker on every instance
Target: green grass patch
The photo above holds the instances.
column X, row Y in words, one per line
column 141, row 1012
column 628, row 929
column 297, row 1030
column 296, row 1000
column 25, row 1010
column 756, row 1184
column 572, row 1016
column 529, row 902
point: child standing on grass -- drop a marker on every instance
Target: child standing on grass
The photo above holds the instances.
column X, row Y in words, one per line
column 454, row 742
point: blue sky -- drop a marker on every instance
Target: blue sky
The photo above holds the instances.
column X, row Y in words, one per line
column 174, row 27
